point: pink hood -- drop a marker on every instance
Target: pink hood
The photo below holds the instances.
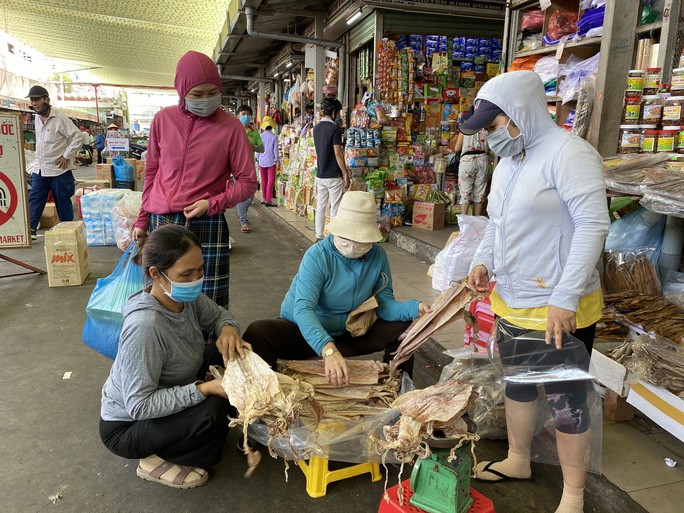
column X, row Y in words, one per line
column 193, row 69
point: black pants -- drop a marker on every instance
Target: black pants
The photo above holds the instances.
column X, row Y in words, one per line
column 567, row 399
column 274, row 339
column 194, row 436
column 99, row 155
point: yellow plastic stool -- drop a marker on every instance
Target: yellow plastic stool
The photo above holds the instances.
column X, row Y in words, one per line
column 318, row 477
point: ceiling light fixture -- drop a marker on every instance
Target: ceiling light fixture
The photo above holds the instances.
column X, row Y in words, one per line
column 355, row 16
column 288, row 65
column 275, row 75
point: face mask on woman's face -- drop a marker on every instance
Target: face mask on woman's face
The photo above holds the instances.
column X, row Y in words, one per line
column 503, row 144
column 351, row 249
column 184, row 292
column 245, row 119
column 203, row 107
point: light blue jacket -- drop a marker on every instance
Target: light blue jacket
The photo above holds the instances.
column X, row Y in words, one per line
column 328, row 286
column 548, row 211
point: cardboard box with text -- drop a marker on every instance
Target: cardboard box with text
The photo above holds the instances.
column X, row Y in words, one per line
column 66, row 254
column 428, row 216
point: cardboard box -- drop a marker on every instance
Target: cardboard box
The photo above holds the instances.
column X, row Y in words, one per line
column 662, row 406
column 428, row 216
column 104, row 172
column 139, row 170
column 66, row 254
column 609, row 372
column 102, row 184
column 49, row 218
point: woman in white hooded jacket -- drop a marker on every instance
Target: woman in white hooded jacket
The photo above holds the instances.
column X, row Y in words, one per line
column 548, row 221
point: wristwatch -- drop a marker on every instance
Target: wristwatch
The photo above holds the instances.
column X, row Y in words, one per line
column 329, row 352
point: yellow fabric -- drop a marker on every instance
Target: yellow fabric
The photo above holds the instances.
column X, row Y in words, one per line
column 588, row 312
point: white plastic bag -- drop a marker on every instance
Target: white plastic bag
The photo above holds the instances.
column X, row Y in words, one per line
column 453, row 262
column 124, row 214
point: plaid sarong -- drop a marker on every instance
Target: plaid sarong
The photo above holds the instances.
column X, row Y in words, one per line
column 212, row 231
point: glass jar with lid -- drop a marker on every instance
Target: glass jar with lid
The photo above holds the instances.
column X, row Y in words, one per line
column 630, row 139
column 672, row 111
column 667, row 139
column 652, row 81
column 651, row 109
column 677, row 82
column 635, row 83
column 649, row 141
column 631, row 111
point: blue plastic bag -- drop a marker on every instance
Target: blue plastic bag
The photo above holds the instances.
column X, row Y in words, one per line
column 104, row 317
column 123, row 171
column 638, row 232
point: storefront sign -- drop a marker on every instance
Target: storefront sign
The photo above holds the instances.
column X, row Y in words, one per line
column 14, row 223
column 118, row 143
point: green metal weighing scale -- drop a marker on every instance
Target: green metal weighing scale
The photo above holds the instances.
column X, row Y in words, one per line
column 440, row 486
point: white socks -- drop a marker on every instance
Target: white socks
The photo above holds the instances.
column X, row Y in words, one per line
column 572, row 500
column 516, row 465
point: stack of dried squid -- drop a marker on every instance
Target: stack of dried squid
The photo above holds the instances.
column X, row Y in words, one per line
column 660, row 362
column 652, row 313
column 371, row 389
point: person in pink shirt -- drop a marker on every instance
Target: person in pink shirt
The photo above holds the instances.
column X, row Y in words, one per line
column 199, row 163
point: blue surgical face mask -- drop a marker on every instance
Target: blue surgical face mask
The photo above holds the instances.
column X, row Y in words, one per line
column 182, row 292
column 503, row 144
column 245, row 119
column 203, row 107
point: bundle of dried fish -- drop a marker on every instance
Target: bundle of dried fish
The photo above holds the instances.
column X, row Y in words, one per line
column 444, row 310
column 651, row 313
column 611, row 330
column 636, row 181
column 622, row 352
column 437, row 409
column 259, row 393
column 370, row 391
column 659, row 362
column 630, row 272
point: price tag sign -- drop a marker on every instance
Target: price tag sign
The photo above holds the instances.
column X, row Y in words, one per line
column 561, row 47
column 118, row 144
column 14, row 221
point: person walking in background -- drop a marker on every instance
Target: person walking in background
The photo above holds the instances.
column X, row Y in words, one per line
column 245, row 114
column 199, row 163
column 332, row 177
column 57, row 142
column 99, row 143
column 268, row 160
column 472, row 169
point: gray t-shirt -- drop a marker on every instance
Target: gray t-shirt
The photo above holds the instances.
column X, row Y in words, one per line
column 160, row 353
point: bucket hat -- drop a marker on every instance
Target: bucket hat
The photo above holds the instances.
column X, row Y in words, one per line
column 356, row 218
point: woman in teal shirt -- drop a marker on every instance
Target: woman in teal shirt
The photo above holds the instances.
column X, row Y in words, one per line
column 335, row 276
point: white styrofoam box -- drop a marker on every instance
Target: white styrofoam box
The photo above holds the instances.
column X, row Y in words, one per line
column 662, row 406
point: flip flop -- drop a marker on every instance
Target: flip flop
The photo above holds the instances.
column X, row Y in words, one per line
column 156, row 475
column 502, row 477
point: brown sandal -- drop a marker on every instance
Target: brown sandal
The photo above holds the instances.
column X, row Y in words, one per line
column 157, row 474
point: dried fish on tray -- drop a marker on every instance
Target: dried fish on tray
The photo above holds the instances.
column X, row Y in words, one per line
column 627, row 271
column 652, row 314
column 660, row 362
column 444, row 310
column 637, row 181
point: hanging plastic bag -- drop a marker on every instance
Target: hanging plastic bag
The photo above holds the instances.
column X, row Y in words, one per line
column 562, row 23
column 123, row 171
column 555, row 386
column 104, row 316
column 532, row 20
column 453, row 262
column 124, row 214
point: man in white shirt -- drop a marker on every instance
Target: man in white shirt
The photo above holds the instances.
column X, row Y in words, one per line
column 57, row 141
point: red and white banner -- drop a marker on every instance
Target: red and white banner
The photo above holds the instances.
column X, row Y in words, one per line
column 14, row 222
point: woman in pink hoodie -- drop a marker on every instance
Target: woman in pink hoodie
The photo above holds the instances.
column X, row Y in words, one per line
column 199, row 163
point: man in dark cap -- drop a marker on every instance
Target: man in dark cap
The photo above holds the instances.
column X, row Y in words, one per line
column 57, row 141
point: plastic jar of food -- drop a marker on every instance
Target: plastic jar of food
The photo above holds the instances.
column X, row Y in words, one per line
column 649, row 141
column 667, row 139
column 677, row 81
column 630, row 139
column 680, row 140
column 631, row 111
column 635, row 83
column 672, row 111
column 652, row 81
column 651, row 109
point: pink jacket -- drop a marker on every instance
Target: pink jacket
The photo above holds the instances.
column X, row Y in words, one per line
column 190, row 158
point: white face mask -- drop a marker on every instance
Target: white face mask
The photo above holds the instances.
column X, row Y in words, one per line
column 503, row 144
column 351, row 249
column 203, row 107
